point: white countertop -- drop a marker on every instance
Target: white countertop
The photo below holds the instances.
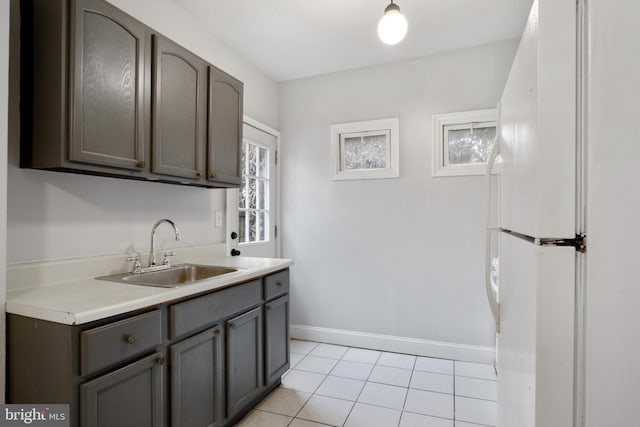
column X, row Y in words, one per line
column 84, row 300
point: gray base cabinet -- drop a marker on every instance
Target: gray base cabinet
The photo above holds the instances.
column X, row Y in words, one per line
column 203, row 361
column 276, row 335
column 244, row 353
column 129, row 397
column 197, row 380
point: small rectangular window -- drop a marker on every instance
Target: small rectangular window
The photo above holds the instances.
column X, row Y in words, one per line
column 365, row 150
column 462, row 142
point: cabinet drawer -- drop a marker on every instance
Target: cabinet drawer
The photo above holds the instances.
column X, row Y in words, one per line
column 103, row 346
column 276, row 284
column 193, row 314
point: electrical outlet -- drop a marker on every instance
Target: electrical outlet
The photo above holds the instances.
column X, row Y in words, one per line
column 219, row 218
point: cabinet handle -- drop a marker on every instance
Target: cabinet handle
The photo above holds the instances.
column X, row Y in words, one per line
column 212, row 175
column 160, row 360
column 197, row 173
column 141, row 164
column 131, row 339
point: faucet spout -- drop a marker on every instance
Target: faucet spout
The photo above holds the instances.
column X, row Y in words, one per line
column 152, row 253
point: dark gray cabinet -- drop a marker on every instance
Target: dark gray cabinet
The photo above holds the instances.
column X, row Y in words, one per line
column 276, row 337
column 225, row 128
column 179, row 111
column 103, row 94
column 128, row 397
column 107, row 62
column 201, row 361
column 82, row 87
column 244, row 360
column 197, row 380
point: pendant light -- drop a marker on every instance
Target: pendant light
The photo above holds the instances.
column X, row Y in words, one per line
column 393, row 26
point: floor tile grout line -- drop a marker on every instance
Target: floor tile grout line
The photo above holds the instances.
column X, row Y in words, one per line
column 363, row 386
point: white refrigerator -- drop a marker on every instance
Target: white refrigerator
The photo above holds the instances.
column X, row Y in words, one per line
column 536, row 234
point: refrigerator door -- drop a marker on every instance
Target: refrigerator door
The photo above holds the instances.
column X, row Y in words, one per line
column 536, row 340
column 537, row 126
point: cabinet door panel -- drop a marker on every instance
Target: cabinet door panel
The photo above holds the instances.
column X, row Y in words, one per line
column 128, row 397
column 179, row 111
column 276, row 338
column 244, row 360
column 108, row 66
column 197, row 378
column 225, row 127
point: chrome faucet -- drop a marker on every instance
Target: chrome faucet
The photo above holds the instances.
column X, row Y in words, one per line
column 152, row 254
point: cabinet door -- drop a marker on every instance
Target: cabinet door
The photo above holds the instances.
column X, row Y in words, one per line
column 179, row 111
column 276, row 338
column 128, row 397
column 197, row 378
column 107, row 68
column 225, row 128
column 244, row 360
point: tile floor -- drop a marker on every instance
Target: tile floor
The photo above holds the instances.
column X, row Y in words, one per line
column 331, row 385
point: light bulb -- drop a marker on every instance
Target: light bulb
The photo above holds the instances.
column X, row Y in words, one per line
column 393, row 25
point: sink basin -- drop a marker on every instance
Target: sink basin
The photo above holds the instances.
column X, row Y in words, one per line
column 173, row 277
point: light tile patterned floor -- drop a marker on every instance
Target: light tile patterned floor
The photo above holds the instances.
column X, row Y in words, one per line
column 331, row 385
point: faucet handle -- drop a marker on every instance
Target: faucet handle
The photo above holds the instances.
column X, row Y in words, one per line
column 137, row 267
column 165, row 261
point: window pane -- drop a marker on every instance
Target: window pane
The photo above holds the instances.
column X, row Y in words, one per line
column 262, row 222
column 242, row 225
column 466, row 147
column 262, row 199
column 368, row 152
column 263, row 163
column 252, row 226
column 253, row 159
column 251, row 193
column 242, row 194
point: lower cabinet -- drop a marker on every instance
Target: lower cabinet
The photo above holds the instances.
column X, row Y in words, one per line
column 202, row 361
column 128, row 397
column 197, row 380
column 244, row 360
column 276, row 336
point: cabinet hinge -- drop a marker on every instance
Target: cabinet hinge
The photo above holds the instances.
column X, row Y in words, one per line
column 276, row 157
column 275, row 234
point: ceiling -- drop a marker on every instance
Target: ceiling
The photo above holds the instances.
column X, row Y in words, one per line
column 290, row 39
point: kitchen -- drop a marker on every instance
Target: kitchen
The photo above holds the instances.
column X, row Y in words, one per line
column 424, row 235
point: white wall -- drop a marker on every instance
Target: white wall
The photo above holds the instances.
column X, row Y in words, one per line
column 4, row 93
column 54, row 215
column 613, row 233
column 401, row 257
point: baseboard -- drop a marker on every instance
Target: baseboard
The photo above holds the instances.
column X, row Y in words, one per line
column 420, row 347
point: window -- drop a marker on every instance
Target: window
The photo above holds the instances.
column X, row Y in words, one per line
column 365, row 150
column 462, row 142
column 254, row 194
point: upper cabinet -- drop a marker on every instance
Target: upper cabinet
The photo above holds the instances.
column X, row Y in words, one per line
column 107, row 69
column 225, row 128
column 179, row 110
column 103, row 94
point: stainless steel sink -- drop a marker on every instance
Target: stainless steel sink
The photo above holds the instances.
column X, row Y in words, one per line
column 173, row 277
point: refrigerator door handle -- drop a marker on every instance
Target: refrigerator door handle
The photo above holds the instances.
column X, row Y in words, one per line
column 491, row 290
column 489, row 287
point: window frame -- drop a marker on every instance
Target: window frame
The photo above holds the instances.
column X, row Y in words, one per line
column 440, row 147
column 388, row 127
column 266, row 196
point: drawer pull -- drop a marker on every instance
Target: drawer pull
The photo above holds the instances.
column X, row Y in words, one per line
column 278, row 283
column 131, row 339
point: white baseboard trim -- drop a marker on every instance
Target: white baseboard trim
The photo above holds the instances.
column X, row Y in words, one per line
column 420, row 347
